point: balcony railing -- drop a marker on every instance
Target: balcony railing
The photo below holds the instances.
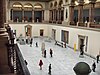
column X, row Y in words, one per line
column 16, row 61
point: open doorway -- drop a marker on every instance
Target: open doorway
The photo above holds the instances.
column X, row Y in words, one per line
column 53, row 34
column 81, row 41
column 28, row 30
column 41, row 32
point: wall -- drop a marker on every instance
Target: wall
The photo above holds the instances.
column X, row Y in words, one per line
column 93, row 45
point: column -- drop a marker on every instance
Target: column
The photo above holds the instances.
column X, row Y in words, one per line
column 53, row 15
column 80, row 14
column 1, row 14
column 91, row 13
column 12, row 15
column 71, row 14
column 33, row 16
column 50, row 15
column 3, row 35
column 42, row 15
column 23, row 15
column 58, row 16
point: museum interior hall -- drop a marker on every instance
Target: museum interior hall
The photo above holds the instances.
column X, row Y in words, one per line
column 50, row 37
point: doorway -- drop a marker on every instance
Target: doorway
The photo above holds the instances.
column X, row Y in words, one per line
column 53, row 34
column 41, row 32
column 38, row 16
column 28, row 30
column 81, row 41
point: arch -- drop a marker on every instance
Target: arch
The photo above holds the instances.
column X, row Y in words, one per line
column 55, row 4
column 28, row 5
column 17, row 5
column 51, row 5
column 38, row 6
column 60, row 3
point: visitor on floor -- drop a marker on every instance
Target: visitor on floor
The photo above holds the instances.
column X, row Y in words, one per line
column 44, row 53
column 93, row 66
column 40, row 64
column 36, row 44
column 51, row 52
column 97, row 57
column 49, row 69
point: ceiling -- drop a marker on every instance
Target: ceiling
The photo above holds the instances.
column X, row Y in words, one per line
column 33, row 0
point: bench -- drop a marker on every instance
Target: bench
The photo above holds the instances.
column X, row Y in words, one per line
column 59, row 43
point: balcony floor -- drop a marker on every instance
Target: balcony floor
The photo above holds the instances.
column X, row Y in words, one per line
column 63, row 60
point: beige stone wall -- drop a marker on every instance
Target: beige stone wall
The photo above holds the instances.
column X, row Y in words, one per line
column 93, row 46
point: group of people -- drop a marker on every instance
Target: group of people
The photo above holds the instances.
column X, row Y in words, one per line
column 97, row 58
column 41, row 63
column 44, row 55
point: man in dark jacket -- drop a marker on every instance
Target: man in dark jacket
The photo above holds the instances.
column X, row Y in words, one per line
column 49, row 69
column 93, row 66
column 97, row 58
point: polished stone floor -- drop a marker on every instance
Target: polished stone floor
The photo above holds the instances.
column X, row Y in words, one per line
column 63, row 60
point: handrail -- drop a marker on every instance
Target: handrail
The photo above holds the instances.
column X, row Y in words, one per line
column 18, row 65
column 21, row 60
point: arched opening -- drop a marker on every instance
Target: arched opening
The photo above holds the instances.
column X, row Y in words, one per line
column 28, row 30
column 16, row 12
column 61, row 13
column 28, row 12
column 38, row 13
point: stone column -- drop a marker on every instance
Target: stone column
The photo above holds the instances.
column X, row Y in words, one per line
column 60, row 15
column 50, row 16
column 1, row 14
column 53, row 15
column 3, row 35
column 42, row 15
column 91, row 13
column 23, row 15
column 12, row 15
column 71, row 14
column 33, row 16
column 80, row 14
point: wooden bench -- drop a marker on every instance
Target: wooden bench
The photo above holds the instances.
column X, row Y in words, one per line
column 59, row 43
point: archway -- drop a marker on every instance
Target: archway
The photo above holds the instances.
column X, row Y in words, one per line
column 28, row 12
column 28, row 30
column 38, row 13
column 16, row 12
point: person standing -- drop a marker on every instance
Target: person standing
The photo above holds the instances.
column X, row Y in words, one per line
column 97, row 57
column 93, row 66
column 40, row 64
column 49, row 69
column 44, row 53
column 36, row 44
column 31, row 42
column 51, row 52
column 81, row 49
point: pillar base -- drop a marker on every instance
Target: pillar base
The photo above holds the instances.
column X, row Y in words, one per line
column 90, row 23
column 71, row 23
column 80, row 24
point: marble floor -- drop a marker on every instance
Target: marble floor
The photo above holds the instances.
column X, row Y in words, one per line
column 62, row 62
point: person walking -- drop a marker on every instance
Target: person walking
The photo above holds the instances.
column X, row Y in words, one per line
column 49, row 69
column 40, row 64
column 51, row 52
column 97, row 57
column 93, row 66
column 44, row 53
column 31, row 42
column 36, row 44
